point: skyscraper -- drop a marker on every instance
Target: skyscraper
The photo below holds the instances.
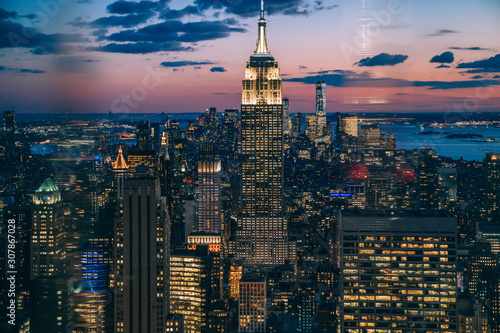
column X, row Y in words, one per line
column 144, row 135
column 262, row 234
column 209, row 190
column 399, row 272
column 190, row 286
column 321, row 106
column 252, row 304
column 142, row 246
column 47, row 231
column 492, row 162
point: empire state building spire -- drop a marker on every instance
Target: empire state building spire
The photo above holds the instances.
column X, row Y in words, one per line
column 262, row 41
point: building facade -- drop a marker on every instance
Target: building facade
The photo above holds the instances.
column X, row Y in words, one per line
column 262, row 230
column 142, row 245
column 398, row 273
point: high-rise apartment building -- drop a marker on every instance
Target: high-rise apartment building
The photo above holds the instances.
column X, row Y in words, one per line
column 142, row 245
column 398, row 272
column 262, row 230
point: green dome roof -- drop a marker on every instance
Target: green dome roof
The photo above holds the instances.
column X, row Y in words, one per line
column 48, row 186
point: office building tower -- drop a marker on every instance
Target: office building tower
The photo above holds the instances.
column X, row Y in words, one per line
column 262, row 233
column 47, row 231
column 321, row 106
column 297, row 124
column 489, row 233
column 287, row 118
column 142, row 233
column 49, row 305
column 230, row 117
column 349, row 125
column 155, row 138
column 427, row 179
column 398, row 272
column 209, row 190
column 235, row 274
column 307, row 306
column 490, row 286
column 141, row 157
column 89, row 298
column 492, row 164
column 191, row 287
column 479, row 259
column 144, row 135
column 9, row 129
column 369, row 136
column 219, row 318
column 252, row 304
column 312, row 126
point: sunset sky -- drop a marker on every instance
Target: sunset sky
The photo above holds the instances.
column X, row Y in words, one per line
column 185, row 56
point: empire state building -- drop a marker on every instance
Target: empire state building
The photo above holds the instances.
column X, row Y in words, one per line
column 262, row 230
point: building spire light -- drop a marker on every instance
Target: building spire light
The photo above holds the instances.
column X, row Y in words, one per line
column 262, row 49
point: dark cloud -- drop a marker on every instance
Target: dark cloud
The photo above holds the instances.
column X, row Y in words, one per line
column 14, row 35
column 127, row 21
column 496, row 77
column 352, row 79
column 218, row 70
column 302, row 67
column 131, row 7
column 473, row 48
column 173, row 14
column 21, row 70
column 5, row 14
column 477, row 77
column 445, row 57
column 185, row 63
column 482, row 70
column 174, row 32
column 382, row 59
column 443, row 32
column 490, row 63
column 443, row 66
column 140, row 47
column 252, row 8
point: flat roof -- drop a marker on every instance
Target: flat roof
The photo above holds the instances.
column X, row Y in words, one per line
column 399, row 221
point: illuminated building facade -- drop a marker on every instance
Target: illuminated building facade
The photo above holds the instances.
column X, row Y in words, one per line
column 142, row 246
column 492, row 162
column 489, row 233
column 235, row 274
column 262, row 230
column 209, row 190
column 312, row 126
column 47, row 231
column 144, row 135
column 90, row 296
column 321, row 107
column 480, row 258
column 252, row 304
column 190, row 287
column 398, row 273
column 138, row 157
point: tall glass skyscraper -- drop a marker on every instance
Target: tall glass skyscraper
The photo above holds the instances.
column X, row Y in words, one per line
column 262, row 234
